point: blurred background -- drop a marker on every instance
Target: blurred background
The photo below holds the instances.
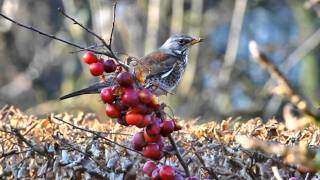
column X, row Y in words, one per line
column 221, row 79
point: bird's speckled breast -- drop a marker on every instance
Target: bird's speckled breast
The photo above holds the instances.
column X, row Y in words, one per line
column 168, row 83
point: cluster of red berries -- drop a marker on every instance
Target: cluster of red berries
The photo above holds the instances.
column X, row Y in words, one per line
column 133, row 105
column 98, row 66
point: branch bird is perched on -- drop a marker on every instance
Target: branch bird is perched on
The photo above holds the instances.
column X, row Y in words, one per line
column 162, row 69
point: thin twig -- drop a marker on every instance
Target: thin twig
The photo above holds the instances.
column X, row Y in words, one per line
column 12, row 152
column 29, row 144
column 83, row 27
column 89, row 47
column 108, row 46
column 96, row 134
column 84, row 153
column 209, row 170
column 175, row 147
column 113, row 24
column 53, row 37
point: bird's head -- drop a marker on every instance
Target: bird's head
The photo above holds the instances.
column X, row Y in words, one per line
column 179, row 44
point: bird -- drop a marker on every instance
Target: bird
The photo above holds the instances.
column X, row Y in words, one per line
column 162, row 69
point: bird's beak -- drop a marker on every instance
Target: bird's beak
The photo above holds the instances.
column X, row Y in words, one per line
column 196, row 41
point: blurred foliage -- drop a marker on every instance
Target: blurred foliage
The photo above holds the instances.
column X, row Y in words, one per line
column 35, row 70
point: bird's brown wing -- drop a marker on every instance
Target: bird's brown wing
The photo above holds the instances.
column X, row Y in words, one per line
column 157, row 63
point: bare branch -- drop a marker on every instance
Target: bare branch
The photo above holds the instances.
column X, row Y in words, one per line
column 113, row 24
column 96, row 134
column 29, row 144
column 274, row 71
column 52, row 36
column 89, row 47
column 11, row 153
column 108, row 46
column 209, row 170
column 183, row 164
column 83, row 27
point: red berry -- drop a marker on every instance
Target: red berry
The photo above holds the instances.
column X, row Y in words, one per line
column 130, row 97
column 167, row 172
column 155, row 174
column 134, row 118
column 153, row 129
column 167, row 127
column 151, row 139
column 152, row 151
column 148, row 167
column 125, row 79
column 109, row 66
column 113, row 111
column 140, row 108
column 96, row 69
column 147, row 119
column 107, row 95
column 138, row 141
column 145, row 96
column 89, row 58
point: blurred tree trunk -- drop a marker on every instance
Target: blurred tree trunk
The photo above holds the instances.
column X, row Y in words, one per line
column 195, row 21
column 310, row 79
column 152, row 25
column 177, row 16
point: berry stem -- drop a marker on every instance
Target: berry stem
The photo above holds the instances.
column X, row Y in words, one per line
column 183, row 164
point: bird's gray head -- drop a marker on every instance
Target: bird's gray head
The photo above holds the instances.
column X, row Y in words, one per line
column 179, row 44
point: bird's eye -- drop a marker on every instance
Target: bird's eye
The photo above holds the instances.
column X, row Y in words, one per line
column 182, row 41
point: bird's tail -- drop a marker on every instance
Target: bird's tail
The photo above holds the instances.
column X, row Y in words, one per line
column 93, row 89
